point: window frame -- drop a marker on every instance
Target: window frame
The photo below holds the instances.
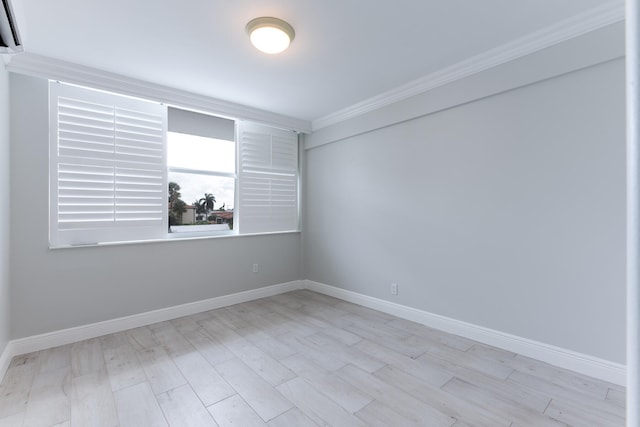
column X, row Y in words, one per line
column 207, row 233
column 161, row 234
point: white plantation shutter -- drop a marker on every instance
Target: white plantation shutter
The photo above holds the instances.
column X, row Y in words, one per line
column 107, row 167
column 268, row 179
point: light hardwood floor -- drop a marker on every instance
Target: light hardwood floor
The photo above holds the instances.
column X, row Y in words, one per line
column 297, row 359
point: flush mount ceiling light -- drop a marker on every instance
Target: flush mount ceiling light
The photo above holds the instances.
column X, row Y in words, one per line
column 270, row 35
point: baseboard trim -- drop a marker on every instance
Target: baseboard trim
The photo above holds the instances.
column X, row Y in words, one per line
column 5, row 359
column 79, row 333
column 561, row 357
column 568, row 359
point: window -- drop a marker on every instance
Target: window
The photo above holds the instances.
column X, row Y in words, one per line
column 124, row 169
column 201, row 160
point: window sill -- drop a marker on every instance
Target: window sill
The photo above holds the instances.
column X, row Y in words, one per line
column 171, row 238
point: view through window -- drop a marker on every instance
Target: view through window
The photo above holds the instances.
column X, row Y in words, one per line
column 201, row 183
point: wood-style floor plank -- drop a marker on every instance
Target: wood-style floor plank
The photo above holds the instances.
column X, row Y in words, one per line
column 162, row 373
column 12, row 420
column 182, row 408
column 293, row 417
column 122, row 364
column 377, row 414
column 203, row 378
column 234, row 412
column 451, row 356
column 265, row 342
column 87, row 357
column 431, row 374
column 315, row 405
column 435, row 335
column 92, row 403
column 557, row 392
column 50, row 398
column 404, row 343
column 263, row 364
column 16, row 385
column 617, row 397
column 303, row 320
column 440, row 399
column 315, row 352
column 510, row 409
column 409, row 406
column 211, row 349
column 341, row 335
column 229, row 318
column 55, row 358
column 137, row 406
column 328, row 383
column 173, row 342
column 581, row 416
column 142, row 338
column 296, row 359
column 257, row 392
column 562, row 377
column 347, row 354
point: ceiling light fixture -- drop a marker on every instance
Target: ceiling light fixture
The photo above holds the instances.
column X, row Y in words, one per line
column 270, row 35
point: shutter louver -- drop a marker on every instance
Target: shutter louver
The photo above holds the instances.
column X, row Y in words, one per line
column 268, row 181
column 108, row 156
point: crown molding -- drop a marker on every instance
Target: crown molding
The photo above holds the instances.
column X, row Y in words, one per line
column 45, row 67
column 559, row 32
column 55, row 69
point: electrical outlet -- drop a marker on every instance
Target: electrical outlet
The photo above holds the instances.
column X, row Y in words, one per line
column 394, row 289
column 255, row 268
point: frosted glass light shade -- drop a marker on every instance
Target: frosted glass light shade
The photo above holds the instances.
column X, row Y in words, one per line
column 270, row 35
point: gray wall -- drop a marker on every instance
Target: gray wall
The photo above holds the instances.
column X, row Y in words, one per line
column 4, row 223
column 507, row 212
column 57, row 289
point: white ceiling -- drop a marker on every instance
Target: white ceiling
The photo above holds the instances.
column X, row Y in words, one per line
column 345, row 51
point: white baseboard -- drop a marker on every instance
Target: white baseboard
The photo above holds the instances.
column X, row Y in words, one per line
column 71, row 335
column 582, row 363
column 5, row 359
column 568, row 359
